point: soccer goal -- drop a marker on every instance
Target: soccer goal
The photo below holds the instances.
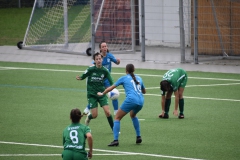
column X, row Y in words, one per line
column 76, row 26
column 59, row 26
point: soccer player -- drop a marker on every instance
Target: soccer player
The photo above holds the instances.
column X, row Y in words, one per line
column 175, row 81
column 108, row 58
column 96, row 75
column 74, row 138
column 134, row 89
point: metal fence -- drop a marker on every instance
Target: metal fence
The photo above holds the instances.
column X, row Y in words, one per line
column 198, row 29
column 216, row 29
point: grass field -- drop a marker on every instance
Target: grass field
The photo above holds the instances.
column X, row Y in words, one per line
column 36, row 100
column 13, row 25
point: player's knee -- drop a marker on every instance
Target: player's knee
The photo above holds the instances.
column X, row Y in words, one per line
column 108, row 113
column 180, row 95
column 94, row 115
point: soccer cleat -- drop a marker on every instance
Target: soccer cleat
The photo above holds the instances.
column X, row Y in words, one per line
column 181, row 116
column 86, row 111
column 165, row 116
column 139, row 140
column 113, row 143
column 87, row 120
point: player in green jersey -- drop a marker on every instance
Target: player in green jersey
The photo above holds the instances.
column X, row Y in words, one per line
column 74, row 138
column 175, row 81
column 96, row 75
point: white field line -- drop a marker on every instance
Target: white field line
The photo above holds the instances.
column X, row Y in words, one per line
column 215, row 99
column 38, row 69
column 204, row 85
column 48, row 155
column 28, row 155
column 99, row 150
column 56, row 70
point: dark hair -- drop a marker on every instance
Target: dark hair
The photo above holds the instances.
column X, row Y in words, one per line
column 165, row 86
column 130, row 69
column 75, row 115
column 100, row 45
column 96, row 54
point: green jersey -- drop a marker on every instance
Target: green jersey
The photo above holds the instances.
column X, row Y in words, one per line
column 176, row 77
column 95, row 79
column 74, row 137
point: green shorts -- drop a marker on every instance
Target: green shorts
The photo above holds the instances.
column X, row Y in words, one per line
column 73, row 155
column 93, row 101
column 183, row 82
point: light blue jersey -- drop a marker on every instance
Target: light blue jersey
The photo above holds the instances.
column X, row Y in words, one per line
column 133, row 102
column 107, row 61
column 134, row 97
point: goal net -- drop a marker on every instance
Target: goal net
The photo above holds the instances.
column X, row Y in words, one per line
column 59, row 25
column 66, row 26
column 115, row 24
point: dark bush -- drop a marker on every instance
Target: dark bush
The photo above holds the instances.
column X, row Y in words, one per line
column 16, row 3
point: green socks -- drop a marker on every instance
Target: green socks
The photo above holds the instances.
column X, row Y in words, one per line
column 167, row 105
column 110, row 121
column 181, row 105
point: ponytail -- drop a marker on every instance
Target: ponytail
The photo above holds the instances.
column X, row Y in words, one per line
column 130, row 69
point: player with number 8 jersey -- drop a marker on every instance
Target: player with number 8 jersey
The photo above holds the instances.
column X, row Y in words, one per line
column 74, row 139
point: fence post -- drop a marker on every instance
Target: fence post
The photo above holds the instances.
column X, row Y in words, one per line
column 143, row 30
column 19, row 3
column 182, row 34
column 195, row 28
column 65, row 15
column 93, row 28
column 133, row 26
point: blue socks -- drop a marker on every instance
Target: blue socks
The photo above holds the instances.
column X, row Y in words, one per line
column 116, row 129
column 136, row 126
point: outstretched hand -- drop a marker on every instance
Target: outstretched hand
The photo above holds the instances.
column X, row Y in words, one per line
column 78, row 78
column 118, row 61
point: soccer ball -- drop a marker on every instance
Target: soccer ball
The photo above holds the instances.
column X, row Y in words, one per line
column 114, row 94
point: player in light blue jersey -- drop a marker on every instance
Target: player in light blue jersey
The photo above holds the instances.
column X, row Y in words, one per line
column 133, row 103
column 108, row 58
